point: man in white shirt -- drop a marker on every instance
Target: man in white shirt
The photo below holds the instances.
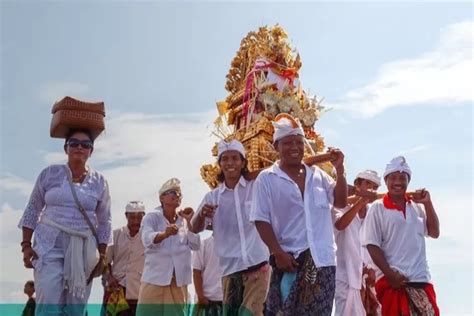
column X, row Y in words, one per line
column 126, row 257
column 207, row 276
column 292, row 213
column 394, row 233
column 168, row 243
column 243, row 256
column 352, row 263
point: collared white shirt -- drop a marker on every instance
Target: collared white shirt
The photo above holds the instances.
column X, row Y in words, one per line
column 350, row 254
column 237, row 242
column 126, row 255
column 206, row 261
column 298, row 223
column 401, row 240
column 171, row 254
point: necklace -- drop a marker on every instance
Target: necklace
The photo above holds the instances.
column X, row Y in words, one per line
column 79, row 178
column 301, row 172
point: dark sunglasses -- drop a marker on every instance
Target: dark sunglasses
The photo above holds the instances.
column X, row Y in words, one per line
column 172, row 192
column 74, row 143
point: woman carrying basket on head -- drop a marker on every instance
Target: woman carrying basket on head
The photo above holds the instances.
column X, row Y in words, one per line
column 69, row 215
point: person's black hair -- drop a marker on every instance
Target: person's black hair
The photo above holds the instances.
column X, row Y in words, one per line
column 357, row 181
column 73, row 131
column 30, row 283
column 244, row 171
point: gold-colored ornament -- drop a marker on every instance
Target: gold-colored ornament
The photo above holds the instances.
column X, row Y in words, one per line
column 262, row 82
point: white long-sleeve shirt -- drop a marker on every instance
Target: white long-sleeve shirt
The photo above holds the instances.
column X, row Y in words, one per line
column 52, row 198
column 236, row 240
column 171, row 254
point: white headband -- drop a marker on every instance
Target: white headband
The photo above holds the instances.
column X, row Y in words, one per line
column 397, row 164
column 369, row 175
column 284, row 127
column 223, row 146
column 135, row 207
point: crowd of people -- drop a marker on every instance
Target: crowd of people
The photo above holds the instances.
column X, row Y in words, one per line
column 285, row 241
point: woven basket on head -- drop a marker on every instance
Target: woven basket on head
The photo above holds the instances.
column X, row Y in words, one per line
column 70, row 113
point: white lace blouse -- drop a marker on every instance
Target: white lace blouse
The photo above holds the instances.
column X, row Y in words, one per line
column 52, row 198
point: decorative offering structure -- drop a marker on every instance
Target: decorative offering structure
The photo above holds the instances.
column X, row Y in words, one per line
column 263, row 81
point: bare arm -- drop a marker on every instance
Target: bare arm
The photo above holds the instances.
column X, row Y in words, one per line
column 347, row 218
column 197, row 279
column 340, row 190
column 28, row 253
column 432, row 221
column 170, row 230
column 283, row 260
column 198, row 221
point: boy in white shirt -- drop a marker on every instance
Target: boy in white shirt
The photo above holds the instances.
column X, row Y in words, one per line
column 207, row 276
column 351, row 261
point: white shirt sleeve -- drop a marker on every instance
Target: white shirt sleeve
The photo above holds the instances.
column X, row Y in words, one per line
column 148, row 231
column 421, row 212
column 337, row 213
column 197, row 259
column 206, row 200
column 328, row 184
column 371, row 232
column 261, row 205
column 194, row 241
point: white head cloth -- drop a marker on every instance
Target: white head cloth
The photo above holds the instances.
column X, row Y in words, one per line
column 171, row 184
column 397, row 164
column 224, row 146
column 135, row 207
column 285, row 127
column 370, row 175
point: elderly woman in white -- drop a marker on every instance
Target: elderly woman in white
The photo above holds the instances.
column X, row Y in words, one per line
column 168, row 242
column 66, row 239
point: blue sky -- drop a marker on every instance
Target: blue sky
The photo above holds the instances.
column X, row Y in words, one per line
column 397, row 76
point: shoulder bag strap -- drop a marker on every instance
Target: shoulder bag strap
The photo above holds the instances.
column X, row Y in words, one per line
column 80, row 207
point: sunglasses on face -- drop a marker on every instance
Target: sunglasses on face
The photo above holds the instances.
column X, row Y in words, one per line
column 74, row 143
column 172, row 193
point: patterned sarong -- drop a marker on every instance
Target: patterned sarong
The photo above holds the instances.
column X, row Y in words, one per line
column 415, row 299
column 312, row 293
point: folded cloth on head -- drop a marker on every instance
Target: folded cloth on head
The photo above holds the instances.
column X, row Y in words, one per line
column 370, row 175
column 224, row 146
column 397, row 164
column 285, row 125
column 135, row 207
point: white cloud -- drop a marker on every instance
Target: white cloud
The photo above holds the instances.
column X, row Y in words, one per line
column 53, row 91
column 415, row 149
column 443, row 76
column 10, row 182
